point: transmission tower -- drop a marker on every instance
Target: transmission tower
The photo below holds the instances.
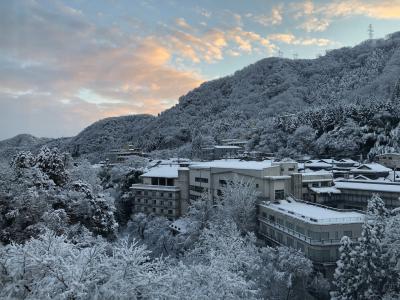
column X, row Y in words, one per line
column 370, row 32
column 280, row 54
column 295, row 56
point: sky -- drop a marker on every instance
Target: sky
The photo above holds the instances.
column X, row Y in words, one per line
column 66, row 64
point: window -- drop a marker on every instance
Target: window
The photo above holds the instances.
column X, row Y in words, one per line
column 161, row 181
column 264, row 214
column 291, row 169
column 279, row 237
column 146, row 201
column 300, row 247
column 197, row 189
column 170, row 195
column 170, row 211
column 289, row 242
column 145, row 193
column 289, row 225
column 300, row 229
column 279, row 221
column 153, row 194
column 279, row 194
column 257, row 185
column 155, row 202
column 170, row 181
column 154, row 181
column 201, row 179
column 138, row 192
column 161, row 202
column 272, row 218
column 170, row 203
column 162, row 210
column 161, row 194
column 348, row 233
column 219, row 193
column 193, row 197
column 222, row 182
column 154, row 209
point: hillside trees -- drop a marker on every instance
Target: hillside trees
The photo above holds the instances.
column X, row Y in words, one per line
column 42, row 188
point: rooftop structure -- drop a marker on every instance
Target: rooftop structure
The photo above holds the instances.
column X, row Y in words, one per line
column 316, row 213
column 233, row 164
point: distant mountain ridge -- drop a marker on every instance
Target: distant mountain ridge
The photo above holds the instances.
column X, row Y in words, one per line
column 245, row 104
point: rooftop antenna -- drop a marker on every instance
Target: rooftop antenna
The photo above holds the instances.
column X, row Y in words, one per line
column 370, row 32
column 280, row 54
column 295, row 56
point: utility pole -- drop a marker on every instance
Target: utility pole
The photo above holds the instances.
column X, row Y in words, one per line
column 370, row 32
column 295, row 56
column 280, row 53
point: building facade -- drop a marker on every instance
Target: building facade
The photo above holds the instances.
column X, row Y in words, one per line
column 313, row 229
column 164, row 191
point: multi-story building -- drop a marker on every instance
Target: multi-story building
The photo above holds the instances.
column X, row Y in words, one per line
column 356, row 193
column 164, row 191
column 312, row 181
column 272, row 180
column 314, row 229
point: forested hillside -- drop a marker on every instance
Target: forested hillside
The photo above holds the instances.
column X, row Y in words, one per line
column 252, row 103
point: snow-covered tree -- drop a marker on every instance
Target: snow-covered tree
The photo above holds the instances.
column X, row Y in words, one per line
column 345, row 280
column 239, row 199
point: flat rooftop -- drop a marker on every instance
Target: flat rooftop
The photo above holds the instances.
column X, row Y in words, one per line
column 315, row 214
column 165, row 171
column 233, row 164
column 368, row 186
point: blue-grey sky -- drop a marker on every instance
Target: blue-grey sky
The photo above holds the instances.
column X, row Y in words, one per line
column 66, row 64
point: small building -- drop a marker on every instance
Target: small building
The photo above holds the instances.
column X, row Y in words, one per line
column 319, row 164
column 220, row 151
column 371, row 170
column 315, row 230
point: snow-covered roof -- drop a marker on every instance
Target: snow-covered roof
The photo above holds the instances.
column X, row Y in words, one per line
column 325, row 190
column 278, row 177
column 347, row 160
column 368, row 186
column 180, row 225
column 166, row 171
column 233, row 164
column 314, row 173
column 227, row 147
column 317, row 164
column 372, row 167
column 315, row 213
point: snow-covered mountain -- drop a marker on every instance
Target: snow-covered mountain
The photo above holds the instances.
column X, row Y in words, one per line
column 248, row 103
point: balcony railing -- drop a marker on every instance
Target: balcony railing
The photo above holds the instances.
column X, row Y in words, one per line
column 141, row 186
column 300, row 236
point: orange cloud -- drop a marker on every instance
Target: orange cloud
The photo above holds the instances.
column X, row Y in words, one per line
column 319, row 17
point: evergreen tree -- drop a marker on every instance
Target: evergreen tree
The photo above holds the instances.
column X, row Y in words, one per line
column 344, row 276
column 371, row 267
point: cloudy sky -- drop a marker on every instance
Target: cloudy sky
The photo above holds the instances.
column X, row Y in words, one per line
column 66, row 64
